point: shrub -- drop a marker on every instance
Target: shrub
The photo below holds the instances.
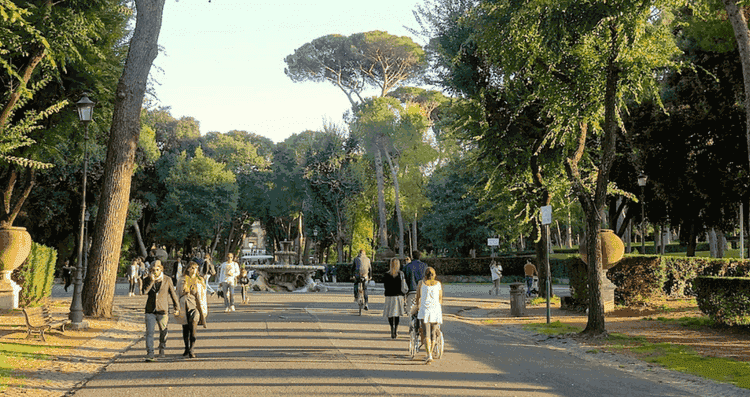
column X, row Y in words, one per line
column 725, row 300
column 36, row 275
column 638, row 279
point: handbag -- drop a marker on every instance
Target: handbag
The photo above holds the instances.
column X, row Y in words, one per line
column 404, row 287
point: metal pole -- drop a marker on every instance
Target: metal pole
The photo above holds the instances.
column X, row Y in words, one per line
column 76, row 307
column 742, row 233
column 643, row 221
column 549, row 277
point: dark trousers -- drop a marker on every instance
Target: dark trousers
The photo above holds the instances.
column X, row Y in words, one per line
column 364, row 288
column 189, row 329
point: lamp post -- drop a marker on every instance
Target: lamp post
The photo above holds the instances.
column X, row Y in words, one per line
column 315, row 236
column 85, row 112
column 642, row 179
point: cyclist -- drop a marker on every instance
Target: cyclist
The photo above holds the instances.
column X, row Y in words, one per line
column 362, row 273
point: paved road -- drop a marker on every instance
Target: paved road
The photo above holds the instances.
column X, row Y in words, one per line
column 315, row 344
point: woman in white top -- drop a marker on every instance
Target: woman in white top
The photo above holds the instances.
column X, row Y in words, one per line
column 133, row 276
column 430, row 298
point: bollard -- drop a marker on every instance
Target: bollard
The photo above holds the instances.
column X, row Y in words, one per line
column 517, row 299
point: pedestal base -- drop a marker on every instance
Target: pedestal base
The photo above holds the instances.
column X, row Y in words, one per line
column 77, row 326
column 9, row 291
column 608, row 296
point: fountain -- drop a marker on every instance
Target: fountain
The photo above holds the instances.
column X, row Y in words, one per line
column 283, row 275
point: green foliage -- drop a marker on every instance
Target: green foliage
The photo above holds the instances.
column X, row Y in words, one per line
column 725, row 300
column 452, row 223
column 638, row 279
column 553, row 328
column 36, row 275
column 202, row 194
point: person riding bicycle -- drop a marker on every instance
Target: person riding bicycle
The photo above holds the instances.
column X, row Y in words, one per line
column 362, row 273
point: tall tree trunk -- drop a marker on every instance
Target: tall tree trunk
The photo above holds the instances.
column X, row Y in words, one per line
column 394, row 173
column 141, row 246
column 382, row 229
column 99, row 288
column 414, row 234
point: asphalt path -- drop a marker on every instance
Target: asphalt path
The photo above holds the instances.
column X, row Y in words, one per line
column 315, row 344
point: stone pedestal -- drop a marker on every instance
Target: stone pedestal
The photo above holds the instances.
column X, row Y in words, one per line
column 9, row 291
column 608, row 295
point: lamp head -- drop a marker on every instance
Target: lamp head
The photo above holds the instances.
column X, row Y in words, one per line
column 85, row 109
column 642, row 179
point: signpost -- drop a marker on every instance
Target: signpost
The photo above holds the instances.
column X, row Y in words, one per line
column 546, row 221
column 493, row 242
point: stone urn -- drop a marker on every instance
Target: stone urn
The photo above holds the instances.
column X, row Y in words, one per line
column 613, row 248
column 15, row 246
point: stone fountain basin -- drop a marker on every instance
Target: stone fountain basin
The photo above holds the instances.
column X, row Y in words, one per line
column 285, row 268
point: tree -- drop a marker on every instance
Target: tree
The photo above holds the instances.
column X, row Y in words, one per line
column 375, row 59
column 98, row 293
column 202, row 195
column 580, row 63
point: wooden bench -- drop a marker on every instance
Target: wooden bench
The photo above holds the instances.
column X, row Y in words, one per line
column 39, row 320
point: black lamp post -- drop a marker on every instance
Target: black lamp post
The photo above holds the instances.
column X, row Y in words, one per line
column 642, row 179
column 85, row 112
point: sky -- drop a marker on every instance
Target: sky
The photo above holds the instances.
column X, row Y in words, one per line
column 222, row 62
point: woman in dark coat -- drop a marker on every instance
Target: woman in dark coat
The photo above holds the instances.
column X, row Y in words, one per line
column 193, row 306
column 394, row 298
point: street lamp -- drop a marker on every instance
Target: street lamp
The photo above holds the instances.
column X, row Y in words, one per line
column 642, row 179
column 315, row 236
column 85, row 112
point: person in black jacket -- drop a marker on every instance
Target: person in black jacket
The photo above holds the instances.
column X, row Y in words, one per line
column 394, row 297
column 159, row 289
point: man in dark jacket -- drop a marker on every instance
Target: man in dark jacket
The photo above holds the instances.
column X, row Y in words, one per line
column 159, row 289
column 414, row 273
column 362, row 273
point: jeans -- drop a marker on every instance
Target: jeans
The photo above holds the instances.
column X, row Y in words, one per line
column 151, row 321
column 364, row 288
column 529, row 284
column 228, row 290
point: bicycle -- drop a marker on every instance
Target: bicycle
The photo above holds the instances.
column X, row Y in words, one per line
column 360, row 295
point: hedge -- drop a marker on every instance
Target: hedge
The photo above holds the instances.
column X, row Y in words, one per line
column 36, row 275
column 725, row 300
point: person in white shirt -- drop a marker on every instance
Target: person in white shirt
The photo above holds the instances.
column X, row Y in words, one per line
column 497, row 274
column 133, row 276
column 227, row 280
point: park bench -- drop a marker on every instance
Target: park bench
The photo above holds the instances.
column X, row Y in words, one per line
column 39, row 320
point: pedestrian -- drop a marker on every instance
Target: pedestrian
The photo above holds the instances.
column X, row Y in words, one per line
column 193, row 306
column 67, row 274
column 333, row 273
column 530, row 271
column 414, row 272
column 497, row 274
column 142, row 273
column 228, row 273
column 394, row 297
column 208, row 270
column 430, row 298
column 244, row 281
column 132, row 274
column 159, row 289
column 362, row 273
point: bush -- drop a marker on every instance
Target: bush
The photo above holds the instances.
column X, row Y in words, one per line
column 36, row 275
column 638, row 279
column 725, row 300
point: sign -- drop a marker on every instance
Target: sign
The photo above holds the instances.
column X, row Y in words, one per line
column 493, row 242
column 546, row 214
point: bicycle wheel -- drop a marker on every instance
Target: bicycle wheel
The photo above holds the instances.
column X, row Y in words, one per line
column 437, row 349
column 413, row 342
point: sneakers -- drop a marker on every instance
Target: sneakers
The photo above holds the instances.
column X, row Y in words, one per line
column 186, row 353
column 366, row 307
column 226, row 310
column 191, row 355
column 428, row 360
column 150, row 357
column 231, row 308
